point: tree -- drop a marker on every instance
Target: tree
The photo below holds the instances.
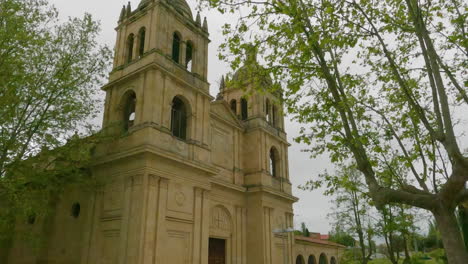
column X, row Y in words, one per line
column 304, row 230
column 341, row 237
column 463, row 220
column 352, row 207
column 49, row 74
column 433, row 239
column 378, row 82
column 395, row 232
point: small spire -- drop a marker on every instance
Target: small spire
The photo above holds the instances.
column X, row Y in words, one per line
column 198, row 19
column 129, row 9
column 205, row 25
column 122, row 14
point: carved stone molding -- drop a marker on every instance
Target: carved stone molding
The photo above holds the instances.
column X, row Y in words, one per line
column 220, row 219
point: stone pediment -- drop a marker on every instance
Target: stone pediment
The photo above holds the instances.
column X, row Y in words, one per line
column 221, row 110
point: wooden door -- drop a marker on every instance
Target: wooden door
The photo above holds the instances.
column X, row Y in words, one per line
column 217, row 251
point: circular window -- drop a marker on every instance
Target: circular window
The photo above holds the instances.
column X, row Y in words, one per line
column 75, row 210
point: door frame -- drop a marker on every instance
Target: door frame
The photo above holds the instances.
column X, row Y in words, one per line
column 228, row 249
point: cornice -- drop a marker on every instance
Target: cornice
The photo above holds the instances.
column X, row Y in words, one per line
column 146, row 148
column 272, row 191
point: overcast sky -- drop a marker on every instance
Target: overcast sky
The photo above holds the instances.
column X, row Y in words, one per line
column 312, row 207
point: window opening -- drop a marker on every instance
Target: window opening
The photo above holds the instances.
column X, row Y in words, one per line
column 179, row 119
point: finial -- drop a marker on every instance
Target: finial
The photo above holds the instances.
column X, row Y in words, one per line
column 205, row 25
column 129, row 9
column 198, row 19
column 122, row 14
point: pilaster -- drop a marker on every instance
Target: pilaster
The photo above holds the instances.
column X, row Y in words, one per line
column 161, row 219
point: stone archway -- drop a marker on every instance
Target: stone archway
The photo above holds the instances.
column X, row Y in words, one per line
column 300, row 259
column 311, row 260
column 323, row 259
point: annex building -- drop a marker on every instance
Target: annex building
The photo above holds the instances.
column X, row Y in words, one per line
column 190, row 178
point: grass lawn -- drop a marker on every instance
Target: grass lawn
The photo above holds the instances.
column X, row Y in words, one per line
column 386, row 261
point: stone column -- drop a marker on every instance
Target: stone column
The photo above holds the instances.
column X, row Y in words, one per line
column 161, row 219
column 267, row 234
column 205, row 226
column 197, row 225
column 183, row 48
column 150, row 217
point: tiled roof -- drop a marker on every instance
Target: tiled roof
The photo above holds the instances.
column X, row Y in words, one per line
column 318, row 241
column 325, row 237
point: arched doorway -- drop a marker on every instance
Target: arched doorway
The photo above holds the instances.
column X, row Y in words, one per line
column 300, row 259
column 323, row 259
column 332, row 260
column 311, row 260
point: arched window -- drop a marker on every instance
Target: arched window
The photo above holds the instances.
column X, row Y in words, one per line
column 274, row 116
column 31, row 219
column 323, row 259
column 332, row 260
column 141, row 41
column 75, row 210
column 311, row 260
column 300, row 259
column 130, row 41
column 129, row 106
column 274, row 162
column 244, row 109
column 189, row 56
column 176, row 47
column 234, row 106
column 267, row 111
column 179, row 118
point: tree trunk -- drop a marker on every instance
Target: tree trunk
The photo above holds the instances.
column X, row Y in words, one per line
column 391, row 253
column 363, row 247
column 407, row 259
column 451, row 236
column 463, row 216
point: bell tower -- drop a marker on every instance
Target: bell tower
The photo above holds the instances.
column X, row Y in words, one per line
column 256, row 101
column 159, row 76
column 158, row 165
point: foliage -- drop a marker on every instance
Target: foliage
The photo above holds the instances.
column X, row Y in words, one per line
column 49, row 74
column 351, row 256
column 378, row 82
column 418, row 258
column 433, row 239
column 304, row 231
column 438, row 255
column 352, row 207
column 342, row 238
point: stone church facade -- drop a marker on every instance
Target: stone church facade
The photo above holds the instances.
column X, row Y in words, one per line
column 190, row 178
